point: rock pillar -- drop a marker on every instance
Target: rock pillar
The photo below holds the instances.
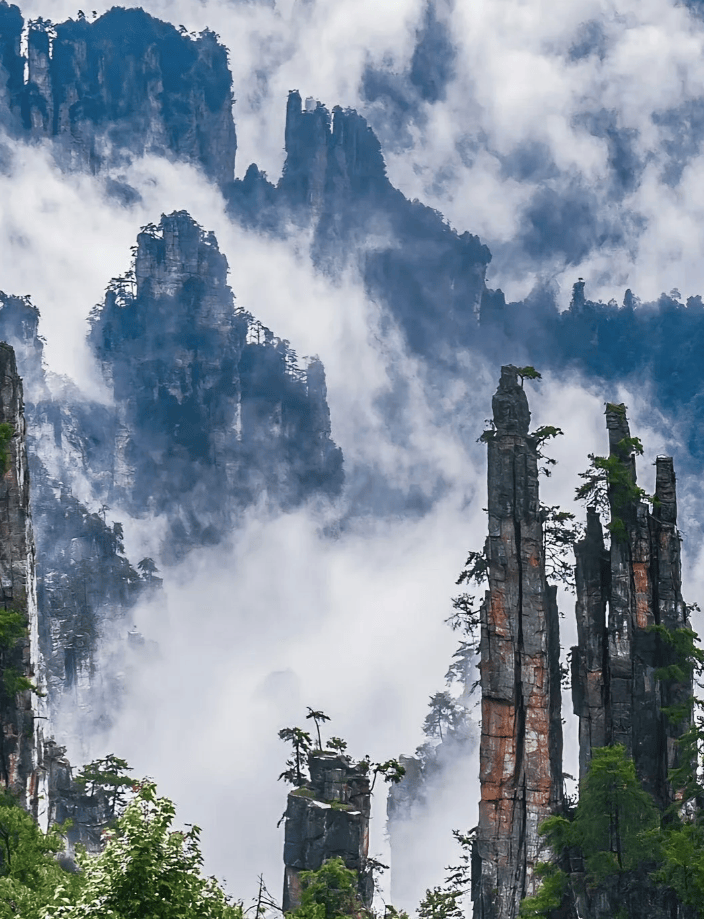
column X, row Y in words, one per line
column 326, row 818
column 19, row 645
column 616, row 691
column 521, row 741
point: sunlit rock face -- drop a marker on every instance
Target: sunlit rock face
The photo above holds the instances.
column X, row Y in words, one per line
column 121, row 85
column 213, row 412
column 521, row 742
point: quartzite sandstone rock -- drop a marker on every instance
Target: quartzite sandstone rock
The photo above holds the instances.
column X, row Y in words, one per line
column 118, row 86
column 616, row 693
column 521, row 742
column 19, row 653
column 328, row 818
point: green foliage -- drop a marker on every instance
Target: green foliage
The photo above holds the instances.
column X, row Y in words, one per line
column 528, row 373
column 445, row 713
column 319, row 718
column 147, row 869
column 7, row 432
column 329, row 892
column 446, row 900
column 391, row 770
column 107, row 776
column 613, row 814
column 476, row 569
column 440, row 903
column 15, row 682
column 687, row 655
column 29, row 872
column 560, row 533
column 13, row 626
column 337, row 744
column 613, row 820
column 301, row 741
column 550, row 894
column 608, row 485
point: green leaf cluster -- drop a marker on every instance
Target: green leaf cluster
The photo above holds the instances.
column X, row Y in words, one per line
column 146, row 869
column 608, row 485
column 329, row 892
column 550, row 895
column 7, row 432
column 29, row 871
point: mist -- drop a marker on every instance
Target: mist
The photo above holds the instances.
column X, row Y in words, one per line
column 341, row 606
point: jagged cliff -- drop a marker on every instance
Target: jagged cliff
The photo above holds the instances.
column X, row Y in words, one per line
column 212, row 410
column 429, row 277
column 328, row 817
column 118, row 86
column 521, row 741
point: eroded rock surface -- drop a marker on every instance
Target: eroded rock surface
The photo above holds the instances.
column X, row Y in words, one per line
column 120, row 85
column 621, row 594
column 521, row 742
column 328, row 818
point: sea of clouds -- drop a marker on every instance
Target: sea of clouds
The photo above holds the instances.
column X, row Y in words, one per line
column 283, row 616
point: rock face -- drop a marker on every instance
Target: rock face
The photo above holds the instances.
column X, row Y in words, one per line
column 616, row 692
column 19, row 657
column 429, row 277
column 83, row 578
column 121, row 85
column 521, row 741
column 213, row 411
column 328, row 818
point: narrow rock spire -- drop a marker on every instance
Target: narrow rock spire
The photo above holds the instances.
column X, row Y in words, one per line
column 521, row 742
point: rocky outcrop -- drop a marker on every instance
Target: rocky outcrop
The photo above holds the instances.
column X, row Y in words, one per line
column 83, row 579
column 428, row 276
column 121, row 85
column 521, row 741
column 213, row 411
column 328, row 817
column 617, row 692
column 19, row 653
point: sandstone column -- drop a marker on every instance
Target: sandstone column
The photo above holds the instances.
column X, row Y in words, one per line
column 521, row 742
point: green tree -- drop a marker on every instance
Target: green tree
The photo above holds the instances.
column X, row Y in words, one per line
column 29, row 871
column 107, row 776
column 609, row 486
column 329, row 892
column 147, row 869
column 444, row 713
column 302, row 743
column 318, row 718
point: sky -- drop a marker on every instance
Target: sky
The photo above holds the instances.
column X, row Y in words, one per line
column 551, row 135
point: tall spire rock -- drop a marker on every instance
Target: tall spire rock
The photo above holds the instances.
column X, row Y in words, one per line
column 19, row 644
column 521, row 742
column 621, row 594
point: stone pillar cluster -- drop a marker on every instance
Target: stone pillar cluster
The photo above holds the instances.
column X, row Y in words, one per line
column 621, row 593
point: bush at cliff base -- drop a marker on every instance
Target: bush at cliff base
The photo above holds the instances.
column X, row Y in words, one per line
column 146, row 870
column 330, row 892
